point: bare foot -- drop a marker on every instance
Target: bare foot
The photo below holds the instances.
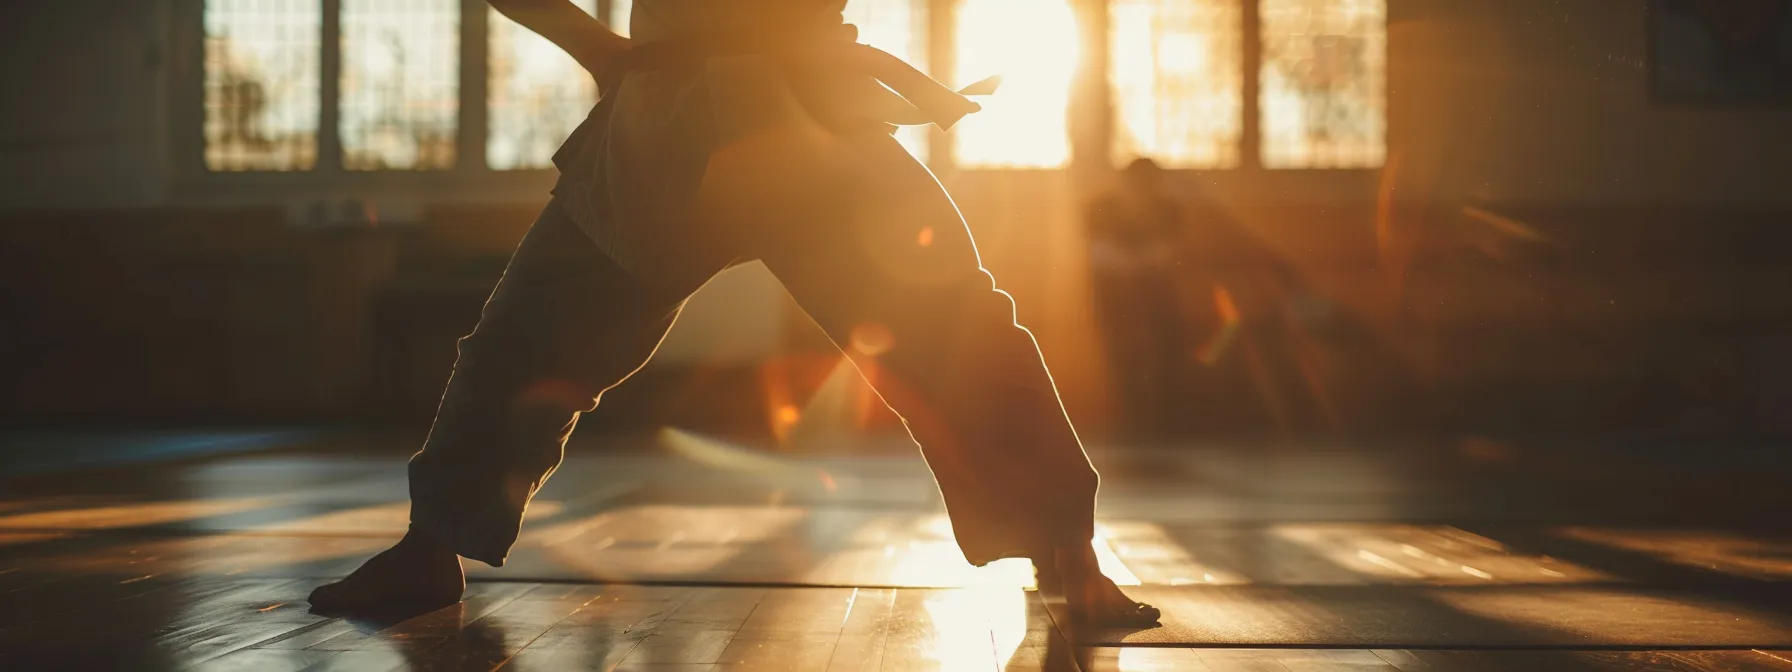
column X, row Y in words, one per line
column 1092, row 597
column 413, row 577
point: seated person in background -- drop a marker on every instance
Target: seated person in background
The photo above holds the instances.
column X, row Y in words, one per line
column 1136, row 248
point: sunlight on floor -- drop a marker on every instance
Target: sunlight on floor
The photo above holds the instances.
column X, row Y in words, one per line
column 1436, row 554
column 970, row 627
column 130, row 515
column 1723, row 551
column 661, row 541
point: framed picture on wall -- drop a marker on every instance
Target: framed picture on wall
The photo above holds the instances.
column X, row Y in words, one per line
column 1721, row 51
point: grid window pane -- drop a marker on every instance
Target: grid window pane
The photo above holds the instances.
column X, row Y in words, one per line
column 261, row 84
column 400, row 84
column 1324, row 80
column 1177, row 80
column 539, row 94
column 898, row 27
column 1034, row 46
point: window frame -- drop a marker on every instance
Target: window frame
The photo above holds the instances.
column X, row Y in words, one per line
column 1103, row 130
column 1091, row 118
column 470, row 180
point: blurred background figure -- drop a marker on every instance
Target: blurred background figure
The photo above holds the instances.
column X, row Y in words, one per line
column 1240, row 294
column 1203, row 323
column 1136, row 246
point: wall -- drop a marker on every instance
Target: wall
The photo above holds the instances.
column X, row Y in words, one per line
column 1565, row 247
column 151, row 301
column 85, row 113
column 1650, row 218
column 1547, row 101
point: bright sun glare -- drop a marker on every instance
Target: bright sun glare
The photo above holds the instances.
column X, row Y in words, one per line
column 1034, row 45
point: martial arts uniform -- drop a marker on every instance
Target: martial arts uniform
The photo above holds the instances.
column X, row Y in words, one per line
column 598, row 280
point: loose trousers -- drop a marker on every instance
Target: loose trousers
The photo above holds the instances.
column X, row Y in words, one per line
column 886, row 251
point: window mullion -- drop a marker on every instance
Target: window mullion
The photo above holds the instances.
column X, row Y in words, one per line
column 1091, row 119
column 329, row 116
column 1250, row 155
column 475, row 63
column 942, row 60
column 187, row 140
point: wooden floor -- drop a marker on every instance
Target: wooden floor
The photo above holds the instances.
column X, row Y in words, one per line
column 683, row 553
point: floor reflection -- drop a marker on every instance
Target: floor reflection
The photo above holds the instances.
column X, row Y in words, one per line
column 975, row 627
column 1431, row 554
column 699, row 560
column 140, row 514
column 1726, row 552
column 660, row 542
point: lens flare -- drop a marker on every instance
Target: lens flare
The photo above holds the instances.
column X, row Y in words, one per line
column 872, row 339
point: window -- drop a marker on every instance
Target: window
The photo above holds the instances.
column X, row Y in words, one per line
column 261, row 85
column 1323, row 79
column 1027, row 125
column 1177, row 73
column 400, row 84
column 538, row 95
column 398, row 88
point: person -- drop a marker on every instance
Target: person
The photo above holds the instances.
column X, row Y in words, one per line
column 1136, row 248
column 727, row 132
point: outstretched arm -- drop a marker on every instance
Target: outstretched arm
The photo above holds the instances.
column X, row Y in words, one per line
column 588, row 41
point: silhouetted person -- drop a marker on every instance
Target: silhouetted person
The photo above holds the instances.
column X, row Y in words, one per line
column 740, row 131
column 1136, row 252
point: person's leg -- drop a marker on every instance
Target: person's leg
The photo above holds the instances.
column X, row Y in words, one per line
column 874, row 250
column 565, row 324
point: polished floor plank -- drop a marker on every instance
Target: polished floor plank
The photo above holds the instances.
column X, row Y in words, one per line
column 1319, row 660
column 554, row 626
column 801, row 652
column 362, row 661
column 1045, row 648
column 1446, row 616
column 864, row 632
column 195, row 620
column 651, row 560
column 315, row 527
column 426, row 630
column 1588, row 661
column 600, row 635
column 678, row 645
column 265, row 660
column 491, row 641
column 811, row 612
column 1347, row 660
column 566, row 657
column 1114, row 659
column 236, row 630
